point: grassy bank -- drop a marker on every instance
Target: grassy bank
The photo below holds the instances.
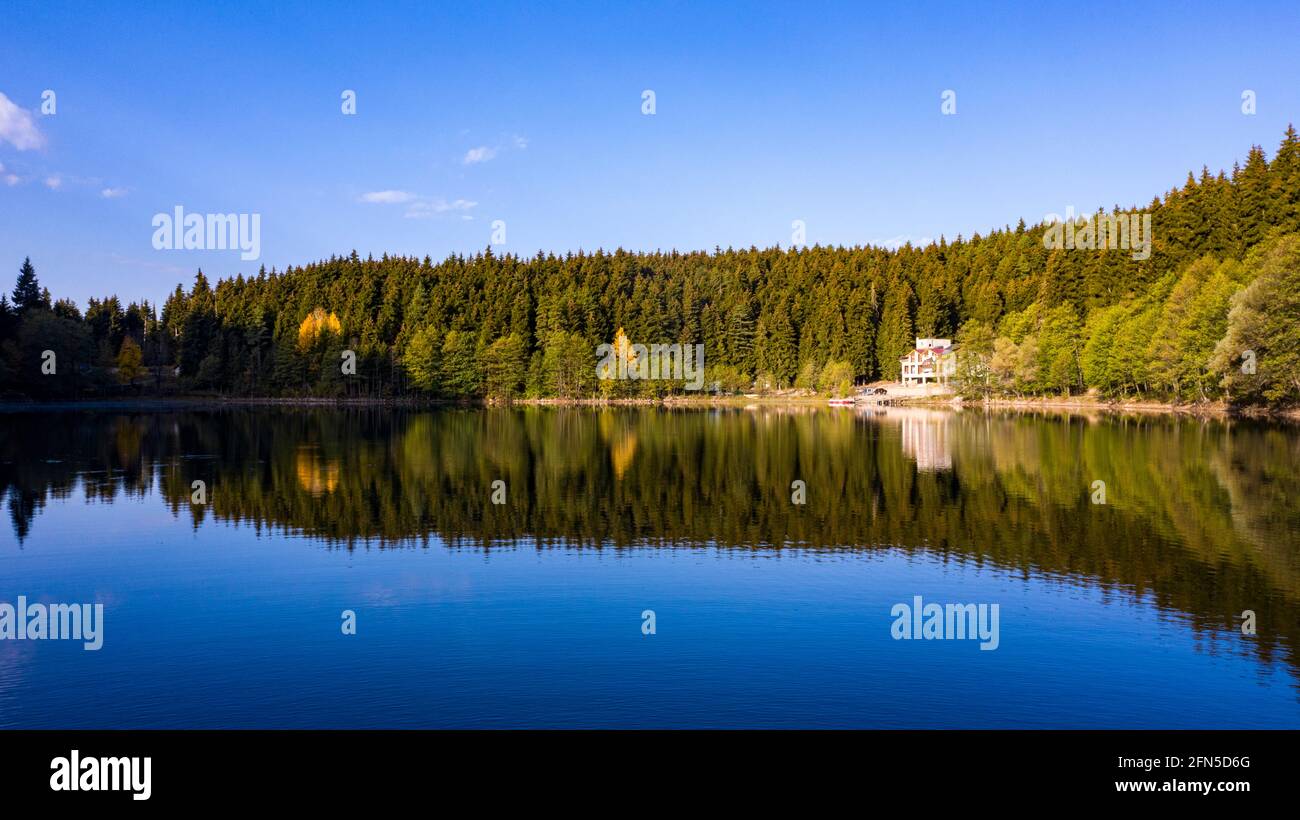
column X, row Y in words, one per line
column 1208, row 409
column 1078, row 404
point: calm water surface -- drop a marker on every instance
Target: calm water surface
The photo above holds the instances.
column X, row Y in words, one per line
column 767, row 613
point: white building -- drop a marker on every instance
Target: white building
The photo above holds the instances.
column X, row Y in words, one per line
column 933, row 362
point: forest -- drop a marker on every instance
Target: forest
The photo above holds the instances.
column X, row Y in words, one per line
column 1211, row 314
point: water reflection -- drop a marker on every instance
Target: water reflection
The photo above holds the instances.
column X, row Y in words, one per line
column 1200, row 516
column 925, row 437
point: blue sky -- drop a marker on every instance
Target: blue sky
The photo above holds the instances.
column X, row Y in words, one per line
column 765, row 113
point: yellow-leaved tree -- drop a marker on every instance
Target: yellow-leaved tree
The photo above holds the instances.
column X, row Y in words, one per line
column 317, row 324
column 621, row 363
column 130, row 361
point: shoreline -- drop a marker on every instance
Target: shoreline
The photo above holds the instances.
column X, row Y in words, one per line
column 1218, row 410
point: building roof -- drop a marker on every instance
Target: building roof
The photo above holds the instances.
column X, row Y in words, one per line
column 922, row 351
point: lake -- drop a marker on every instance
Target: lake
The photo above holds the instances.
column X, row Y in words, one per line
column 651, row 567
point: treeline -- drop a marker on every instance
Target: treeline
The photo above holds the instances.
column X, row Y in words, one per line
column 1210, row 313
column 49, row 349
column 1211, row 329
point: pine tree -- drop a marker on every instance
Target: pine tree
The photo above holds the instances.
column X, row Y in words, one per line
column 567, row 366
column 1253, row 199
column 894, row 338
column 780, row 353
column 423, row 359
column 740, row 337
column 505, row 365
column 27, row 290
column 1284, row 173
column 460, row 371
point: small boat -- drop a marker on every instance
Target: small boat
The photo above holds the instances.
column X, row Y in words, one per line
column 841, row 402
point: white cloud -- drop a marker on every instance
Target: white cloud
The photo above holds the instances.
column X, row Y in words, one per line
column 521, row 142
column 17, row 126
column 417, row 206
column 113, row 193
column 11, row 180
column 480, row 154
column 54, row 182
column 427, row 208
column 388, row 197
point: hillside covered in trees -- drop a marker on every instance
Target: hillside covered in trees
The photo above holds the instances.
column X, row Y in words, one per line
column 1212, row 313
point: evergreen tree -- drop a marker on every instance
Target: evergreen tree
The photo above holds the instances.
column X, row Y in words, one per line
column 460, row 371
column 27, row 290
column 568, row 366
column 423, row 359
column 1254, row 197
column 1284, row 181
column 505, row 364
column 895, row 338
